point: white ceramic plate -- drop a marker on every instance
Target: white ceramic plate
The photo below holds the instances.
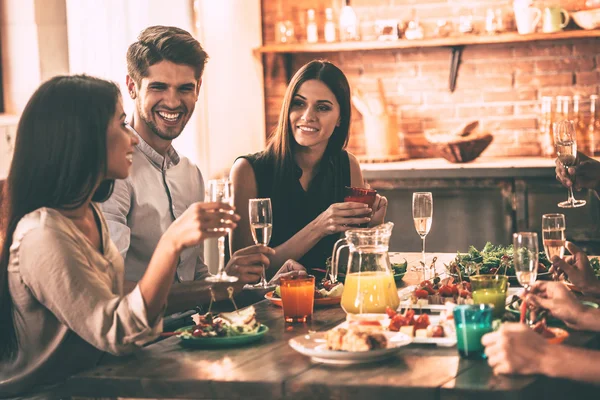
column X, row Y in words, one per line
column 314, row 345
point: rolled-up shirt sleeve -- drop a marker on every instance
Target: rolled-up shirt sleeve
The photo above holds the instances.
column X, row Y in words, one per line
column 81, row 295
column 115, row 210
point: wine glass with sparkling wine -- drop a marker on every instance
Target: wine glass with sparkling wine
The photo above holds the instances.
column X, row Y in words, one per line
column 261, row 224
column 422, row 209
column 221, row 191
column 565, row 142
column 553, row 234
column 525, row 258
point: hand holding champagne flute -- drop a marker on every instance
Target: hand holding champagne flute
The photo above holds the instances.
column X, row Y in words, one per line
column 422, row 209
column 565, row 142
column 261, row 225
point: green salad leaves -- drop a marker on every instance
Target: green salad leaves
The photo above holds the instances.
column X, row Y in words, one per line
column 490, row 260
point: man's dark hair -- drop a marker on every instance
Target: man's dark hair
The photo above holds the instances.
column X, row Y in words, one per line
column 158, row 43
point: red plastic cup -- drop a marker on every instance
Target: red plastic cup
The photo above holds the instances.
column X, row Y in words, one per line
column 360, row 195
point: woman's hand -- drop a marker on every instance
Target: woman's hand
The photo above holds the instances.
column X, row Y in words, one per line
column 340, row 216
column 289, row 269
column 200, row 222
column 379, row 210
column 557, row 298
column 516, row 349
column 248, row 263
column 577, row 268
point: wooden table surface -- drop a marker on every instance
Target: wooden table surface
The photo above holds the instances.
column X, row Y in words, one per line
column 271, row 369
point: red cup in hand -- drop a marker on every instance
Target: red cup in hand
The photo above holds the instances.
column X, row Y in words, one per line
column 360, row 195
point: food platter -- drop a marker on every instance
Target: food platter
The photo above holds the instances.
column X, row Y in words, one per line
column 324, row 301
column 314, row 345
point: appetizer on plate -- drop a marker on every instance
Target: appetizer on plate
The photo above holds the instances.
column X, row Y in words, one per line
column 356, row 337
column 420, row 326
column 442, row 291
column 236, row 323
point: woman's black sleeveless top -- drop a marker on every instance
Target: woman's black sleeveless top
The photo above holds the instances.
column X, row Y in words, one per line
column 294, row 208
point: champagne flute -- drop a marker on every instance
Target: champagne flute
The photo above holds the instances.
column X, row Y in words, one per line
column 422, row 209
column 221, row 191
column 553, row 231
column 525, row 258
column 565, row 142
column 261, row 224
column 553, row 234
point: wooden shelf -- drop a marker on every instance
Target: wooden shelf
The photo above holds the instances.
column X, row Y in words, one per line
column 463, row 40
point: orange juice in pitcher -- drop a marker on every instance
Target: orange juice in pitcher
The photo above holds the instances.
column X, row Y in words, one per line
column 369, row 286
column 369, row 292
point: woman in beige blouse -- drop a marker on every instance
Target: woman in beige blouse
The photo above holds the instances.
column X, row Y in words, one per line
column 61, row 278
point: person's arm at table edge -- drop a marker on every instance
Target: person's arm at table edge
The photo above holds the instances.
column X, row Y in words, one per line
column 578, row 364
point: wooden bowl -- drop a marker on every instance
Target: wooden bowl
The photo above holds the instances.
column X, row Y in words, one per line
column 461, row 149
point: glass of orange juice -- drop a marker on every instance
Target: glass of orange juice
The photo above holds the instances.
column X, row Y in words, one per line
column 297, row 297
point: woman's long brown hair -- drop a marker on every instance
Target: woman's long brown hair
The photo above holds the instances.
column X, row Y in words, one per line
column 60, row 154
column 281, row 144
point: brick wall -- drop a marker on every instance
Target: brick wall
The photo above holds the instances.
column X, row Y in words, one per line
column 500, row 85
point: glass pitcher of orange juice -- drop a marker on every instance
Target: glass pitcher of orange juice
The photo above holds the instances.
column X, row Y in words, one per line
column 369, row 286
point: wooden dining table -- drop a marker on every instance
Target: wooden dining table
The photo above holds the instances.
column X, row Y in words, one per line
column 271, row 369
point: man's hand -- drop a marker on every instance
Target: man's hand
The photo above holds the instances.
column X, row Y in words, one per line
column 557, row 298
column 248, row 263
column 586, row 174
column 516, row 349
column 577, row 268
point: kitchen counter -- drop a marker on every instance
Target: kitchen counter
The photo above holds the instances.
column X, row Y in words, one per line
column 439, row 168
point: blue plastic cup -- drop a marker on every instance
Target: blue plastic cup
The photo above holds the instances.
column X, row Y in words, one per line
column 472, row 322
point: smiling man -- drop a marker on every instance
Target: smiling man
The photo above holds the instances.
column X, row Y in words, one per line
column 165, row 67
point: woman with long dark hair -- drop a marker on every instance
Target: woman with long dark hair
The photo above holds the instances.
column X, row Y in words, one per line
column 61, row 278
column 304, row 170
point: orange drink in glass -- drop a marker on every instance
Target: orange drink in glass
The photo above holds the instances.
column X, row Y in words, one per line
column 297, row 297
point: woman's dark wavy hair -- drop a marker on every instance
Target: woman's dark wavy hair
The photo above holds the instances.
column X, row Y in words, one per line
column 281, row 144
column 60, row 156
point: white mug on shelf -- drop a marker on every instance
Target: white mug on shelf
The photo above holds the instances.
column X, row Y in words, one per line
column 527, row 19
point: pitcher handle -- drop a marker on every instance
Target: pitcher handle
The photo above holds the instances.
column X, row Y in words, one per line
column 567, row 17
column 334, row 259
column 537, row 18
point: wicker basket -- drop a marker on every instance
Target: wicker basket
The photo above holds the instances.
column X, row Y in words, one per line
column 462, row 149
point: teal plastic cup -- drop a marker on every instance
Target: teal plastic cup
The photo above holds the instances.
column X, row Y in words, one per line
column 472, row 322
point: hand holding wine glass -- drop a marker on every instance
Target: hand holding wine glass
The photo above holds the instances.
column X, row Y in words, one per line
column 261, row 225
column 221, row 191
column 565, row 142
column 525, row 258
column 422, row 209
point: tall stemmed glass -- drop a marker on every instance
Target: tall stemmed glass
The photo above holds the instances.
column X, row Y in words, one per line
column 565, row 142
column 220, row 191
column 422, row 209
column 553, row 234
column 261, row 224
column 525, row 258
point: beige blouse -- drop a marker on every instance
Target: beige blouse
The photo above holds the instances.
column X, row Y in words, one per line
column 68, row 303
